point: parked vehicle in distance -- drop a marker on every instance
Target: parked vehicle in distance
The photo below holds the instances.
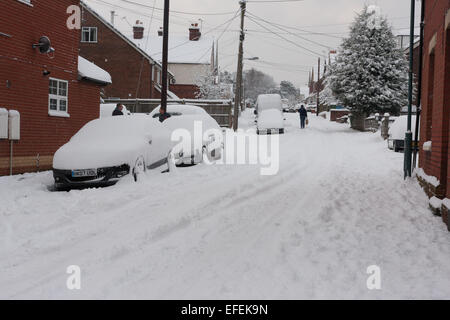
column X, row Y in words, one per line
column 397, row 132
column 311, row 108
column 270, row 122
column 185, row 117
column 269, row 101
column 105, row 150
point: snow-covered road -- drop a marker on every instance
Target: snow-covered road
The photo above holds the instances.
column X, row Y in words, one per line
column 338, row 205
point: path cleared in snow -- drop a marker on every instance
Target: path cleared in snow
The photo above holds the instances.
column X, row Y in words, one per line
column 338, row 205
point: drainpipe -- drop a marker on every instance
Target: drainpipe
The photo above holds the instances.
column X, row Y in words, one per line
column 419, row 94
column 11, row 143
column 408, row 135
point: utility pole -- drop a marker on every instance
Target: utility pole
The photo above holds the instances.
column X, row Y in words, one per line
column 408, row 136
column 165, row 56
column 318, row 89
column 238, row 96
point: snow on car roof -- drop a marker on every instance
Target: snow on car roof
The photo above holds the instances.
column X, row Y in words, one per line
column 89, row 70
column 181, row 108
column 188, row 122
column 269, row 101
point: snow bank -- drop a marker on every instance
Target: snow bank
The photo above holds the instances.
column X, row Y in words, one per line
column 88, row 70
column 435, row 203
column 429, row 179
column 270, row 119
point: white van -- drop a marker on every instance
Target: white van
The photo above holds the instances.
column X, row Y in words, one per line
column 269, row 114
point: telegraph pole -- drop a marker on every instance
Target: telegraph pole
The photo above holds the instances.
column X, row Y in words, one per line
column 318, row 89
column 237, row 100
column 165, row 56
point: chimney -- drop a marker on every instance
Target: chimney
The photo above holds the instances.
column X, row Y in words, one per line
column 138, row 30
column 194, row 32
column 160, row 32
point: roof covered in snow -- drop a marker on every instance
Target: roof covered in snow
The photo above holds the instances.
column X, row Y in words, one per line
column 181, row 49
column 90, row 71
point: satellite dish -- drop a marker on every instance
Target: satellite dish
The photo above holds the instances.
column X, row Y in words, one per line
column 44, row 45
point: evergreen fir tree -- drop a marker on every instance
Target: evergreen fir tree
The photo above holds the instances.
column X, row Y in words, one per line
column 370, row 74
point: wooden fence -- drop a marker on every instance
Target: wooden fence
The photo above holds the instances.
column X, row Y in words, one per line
column 220, row 110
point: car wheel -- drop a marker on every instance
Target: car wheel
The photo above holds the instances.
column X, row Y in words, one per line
column 139, row 168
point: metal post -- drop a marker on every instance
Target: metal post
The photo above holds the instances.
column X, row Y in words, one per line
column 165, row 56
column 419, row 85
column 408, row 135
column 11, row 142
column 237, row 101
column 318, row 89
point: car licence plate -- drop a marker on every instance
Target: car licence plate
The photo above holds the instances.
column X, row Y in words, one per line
column 84, row 173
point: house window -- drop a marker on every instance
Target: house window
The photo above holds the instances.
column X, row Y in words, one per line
column 57, row 98
column 89, row 34
column 158, row 77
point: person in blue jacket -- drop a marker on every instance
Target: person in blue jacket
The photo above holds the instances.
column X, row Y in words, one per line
column 303, row 116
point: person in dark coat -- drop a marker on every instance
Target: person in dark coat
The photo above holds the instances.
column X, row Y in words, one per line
column 163, row 115
column 118, row 111
column 303, row 116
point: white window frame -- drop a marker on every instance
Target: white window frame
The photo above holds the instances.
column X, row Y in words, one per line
column 84, row 29
column 58, row 112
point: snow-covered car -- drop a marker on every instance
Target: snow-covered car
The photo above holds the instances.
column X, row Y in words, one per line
column 105, row 150
column 269, row 101
column 270, row 121
column 179, row 109
column 397, row 132
column 185, row 117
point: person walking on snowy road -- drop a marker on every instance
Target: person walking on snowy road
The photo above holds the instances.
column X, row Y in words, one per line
column 303, row 116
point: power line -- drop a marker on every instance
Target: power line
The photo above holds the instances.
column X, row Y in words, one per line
column 298, row 36
column 180, row 12
column 286, row 39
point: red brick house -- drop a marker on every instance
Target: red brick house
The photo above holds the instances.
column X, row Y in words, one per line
column 434, row 159
column 135, row 73
column 53, row 96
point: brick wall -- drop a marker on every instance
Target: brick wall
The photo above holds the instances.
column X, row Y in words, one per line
column 184, row 91
column 435, row 94
column 22, row 68
column 121, row 60
column 335, row 114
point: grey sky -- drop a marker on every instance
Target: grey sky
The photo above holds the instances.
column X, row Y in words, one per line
column 280, row 58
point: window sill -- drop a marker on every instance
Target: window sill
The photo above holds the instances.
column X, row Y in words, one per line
column 60, row 114
column 26, row 2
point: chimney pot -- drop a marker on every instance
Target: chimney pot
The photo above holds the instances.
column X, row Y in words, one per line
column 194, row 32
column 138, row 30
column 160, row 32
